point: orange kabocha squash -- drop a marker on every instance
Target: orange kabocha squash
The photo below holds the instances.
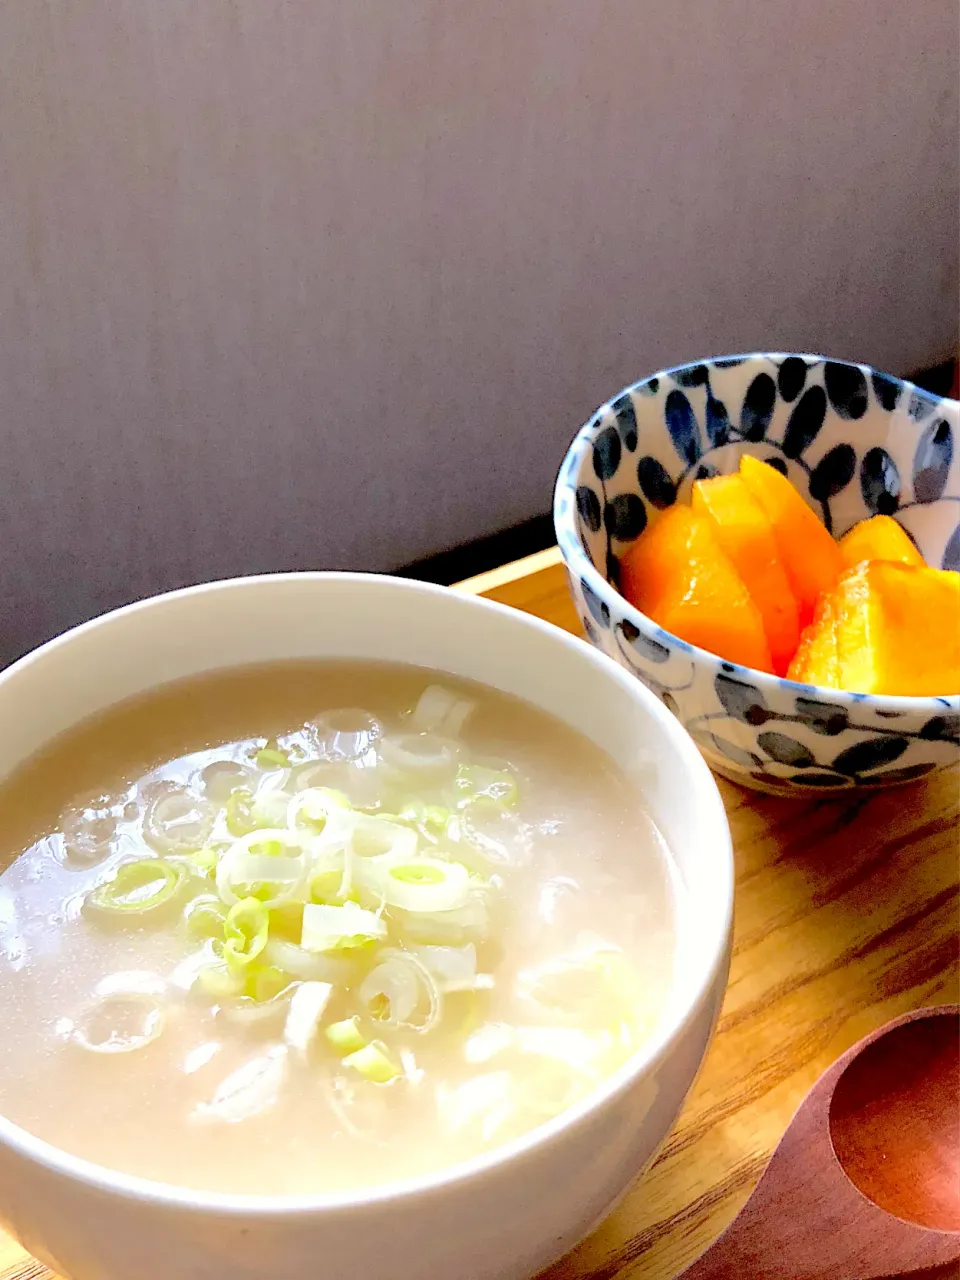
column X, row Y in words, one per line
column 810, row 556
column 678, row 575
column 816, row 660
column 746, row 535
column 898, row 629
column 879, row 538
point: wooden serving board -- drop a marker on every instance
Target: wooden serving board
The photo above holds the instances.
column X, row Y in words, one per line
column 846, row 916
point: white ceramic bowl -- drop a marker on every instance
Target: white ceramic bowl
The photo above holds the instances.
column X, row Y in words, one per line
column 501, row 1216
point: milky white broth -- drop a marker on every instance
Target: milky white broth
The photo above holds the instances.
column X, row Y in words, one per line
column 571, row 917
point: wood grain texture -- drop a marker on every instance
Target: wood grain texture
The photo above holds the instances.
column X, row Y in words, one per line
column 846, row 916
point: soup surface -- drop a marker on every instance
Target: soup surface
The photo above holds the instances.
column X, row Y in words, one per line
column 307, row 927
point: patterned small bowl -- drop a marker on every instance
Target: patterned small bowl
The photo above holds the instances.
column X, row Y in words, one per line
column 855, row 442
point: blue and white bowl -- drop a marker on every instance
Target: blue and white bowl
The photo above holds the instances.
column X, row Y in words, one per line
column 855, row 442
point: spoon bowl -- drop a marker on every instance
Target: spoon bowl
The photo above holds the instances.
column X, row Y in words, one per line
column 890, row 1122
column 866, row 1181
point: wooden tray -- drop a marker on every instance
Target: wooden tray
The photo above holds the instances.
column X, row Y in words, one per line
column 846, row 917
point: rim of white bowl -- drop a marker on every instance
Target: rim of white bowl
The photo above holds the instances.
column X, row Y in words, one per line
column 645, row 1059
column 571, row 549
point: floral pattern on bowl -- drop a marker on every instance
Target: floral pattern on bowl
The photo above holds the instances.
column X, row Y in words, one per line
column 855, row 442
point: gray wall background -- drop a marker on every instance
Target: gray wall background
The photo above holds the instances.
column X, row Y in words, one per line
column 285, row 283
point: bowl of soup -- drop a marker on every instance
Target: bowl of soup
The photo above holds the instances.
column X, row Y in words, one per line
column 342, row 918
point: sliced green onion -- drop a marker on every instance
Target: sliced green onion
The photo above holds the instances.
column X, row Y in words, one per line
column 422, row 755
column 399, row 986
column 317, row 773
column 239, row 812
column 265, row 982
column 138, row 888
column 445, row 928
column 441, row 710
column 222, row 777
column 345, row 1037
column 269, row 808
column 177, row 821
column 270, row 757
column 257, row 859
column 248, row 1012
column 339, row 928
column 257, row 983
column 432, row 817
column 246, row 812
column 205, row 917
column 314, row 806
column 433, row 706
column 391, row 992
column 89, row 831
column 245, row 932
column 307, row 966
column 454, row 968
column 417, row 884
column 286, row 921
column 219, row 983
column 205, row 860
column 373, row 1063
column 311, row 879
column 373, row 836
column 325, row 886
column 421, row 872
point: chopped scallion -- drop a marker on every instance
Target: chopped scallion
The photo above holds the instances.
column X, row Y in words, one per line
column 339, row 928
column 271, row 757
column 373, row 1063
column 138, row 888
column 345, row 1037
column 239, row 812
column 205, row 917
column 245, row 932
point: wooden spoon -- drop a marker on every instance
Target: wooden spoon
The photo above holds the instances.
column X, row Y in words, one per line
column 865, row 1183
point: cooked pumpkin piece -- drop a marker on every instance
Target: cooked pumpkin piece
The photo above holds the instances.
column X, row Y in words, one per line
column 816, row 660
column 810, row 556
column 678, row 575
column 744, row 532
column 879, row 538
column 898, row 629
